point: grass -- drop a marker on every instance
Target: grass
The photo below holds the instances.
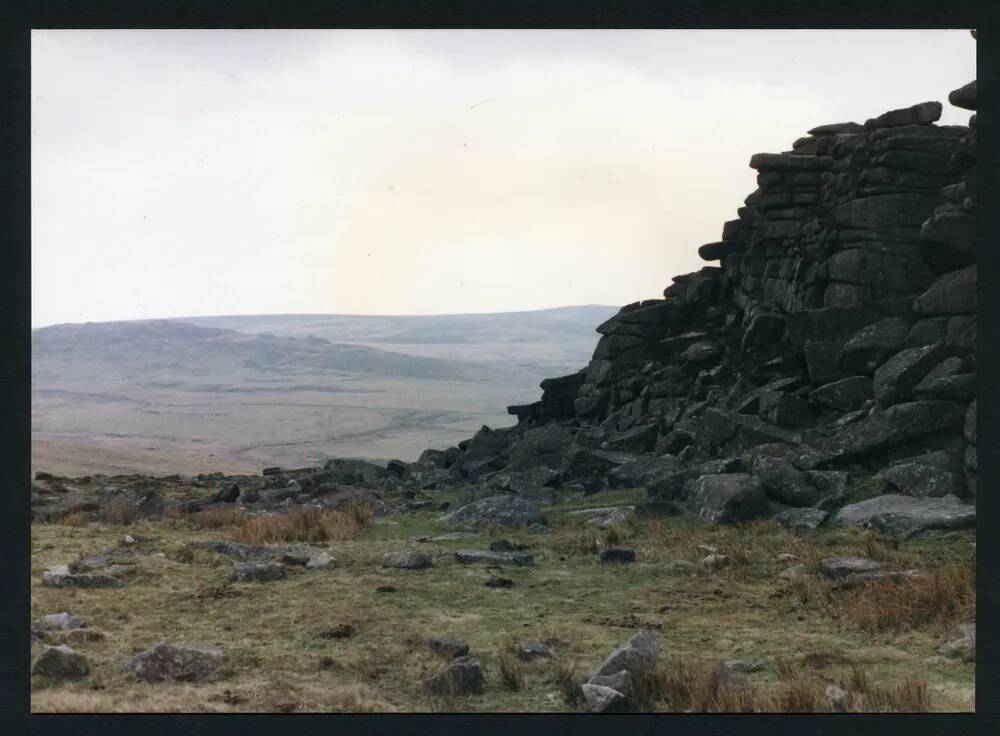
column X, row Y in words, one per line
column 804, row 632
column 308, row 524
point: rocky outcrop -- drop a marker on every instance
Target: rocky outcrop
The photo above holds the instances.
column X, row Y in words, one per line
column 835, row 330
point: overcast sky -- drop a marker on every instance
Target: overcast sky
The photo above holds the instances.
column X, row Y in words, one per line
column 179, row 173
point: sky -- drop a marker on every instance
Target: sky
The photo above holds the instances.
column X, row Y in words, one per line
column 179, row 173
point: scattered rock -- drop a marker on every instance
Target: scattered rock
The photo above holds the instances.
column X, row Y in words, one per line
column 340, row 631
column 530, row 649
column 461, row 676
column 475, row 556
column 167, row 661
column 499, row 583
column 841, row 567
column 258, row 572
column 636, row 654
column 450, row 648
column 320, row 561
column 60, row 622
column 618, row 554
column 60, row 577
column 407, row 560
column 715, row 561
column 60, row 661
column 801, row 519
column 601, row 699
column 906, row 516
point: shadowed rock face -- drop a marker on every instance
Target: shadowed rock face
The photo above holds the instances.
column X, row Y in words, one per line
column 838, row 328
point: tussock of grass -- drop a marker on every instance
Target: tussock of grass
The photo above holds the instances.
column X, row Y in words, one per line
column 220, row 518
column 76, row 518
column 119, row 514
column 938, row 598
column 305, row 525
column 511, row 672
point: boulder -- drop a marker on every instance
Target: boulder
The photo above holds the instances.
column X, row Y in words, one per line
column 962, row 643
column 964, row 97
column 462, row 676
column 61, row 662
column 59, row 622
column 258, row 572
column 542, row 446
column 953, row 293
column 450, row 648
column 729, row 498
column 917, row 479
column 167, row 661
column 906, row 516
column 601, row 699
column 897, row 424
column 783, row 409
column 847, row 394
column 620, row 681
column 836, row 568
column 764, row 330
column 498, row 510
column 320, row 561
column 896, row 378
column 407, row 560
column 784, row 483
column 924, row 113
column 478, row 556
column 872, row 345
column 618, row 554
column 637, row 654
column 801, row 519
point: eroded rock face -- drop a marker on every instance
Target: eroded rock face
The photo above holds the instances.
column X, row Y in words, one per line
column 167, row 661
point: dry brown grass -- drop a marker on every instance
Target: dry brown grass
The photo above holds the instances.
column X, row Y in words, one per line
column 119, row 514
column 938, row 598
column 577, row 538
column 305, row 525
column 220, row 518
column 511, row 672
column 565, row 678
column 76, row 518
column 682, row 687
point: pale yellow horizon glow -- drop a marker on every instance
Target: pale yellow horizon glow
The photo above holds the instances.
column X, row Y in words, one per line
column 181, row 173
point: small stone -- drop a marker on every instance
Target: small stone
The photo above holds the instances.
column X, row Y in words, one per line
column 450, row 648
column 836, row 698
column 787, row 557
column 60, row 661
column 341, row 631
column 715, row 562
column 499, row 583
column 618, row 554
column 407, row 560
column 529, row 649
column 320, row 561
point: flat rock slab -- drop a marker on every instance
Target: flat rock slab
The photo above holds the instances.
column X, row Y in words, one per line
column 477, row 556
column 54, row 579
column 801, row 519
column 167, row 661
column 258, row 572
column 407, row 560
column 498, row 510
column 841, row 567
column 602, row 699
column 905, row 516
column 529, row 649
